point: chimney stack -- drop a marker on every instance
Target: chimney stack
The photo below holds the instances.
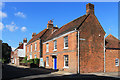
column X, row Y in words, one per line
column 50, row 24
column 20, row 43
column 89, row 8
column 25, row 40
column 33, row 34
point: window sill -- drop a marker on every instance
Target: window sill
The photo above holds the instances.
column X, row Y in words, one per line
column 117, row 65
column 65, row 67
column 65, row 48
column 47, row 65
column 47, row 51
column 55, row 50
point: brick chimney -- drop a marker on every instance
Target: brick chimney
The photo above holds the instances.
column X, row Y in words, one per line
column 50, row 24
column 20, row 43
column 33, row 34
column 89, row 8
column 25, row 40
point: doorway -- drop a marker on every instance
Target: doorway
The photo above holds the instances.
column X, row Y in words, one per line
column 54, row 62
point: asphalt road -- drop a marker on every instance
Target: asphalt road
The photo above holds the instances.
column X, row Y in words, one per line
column 11, row 72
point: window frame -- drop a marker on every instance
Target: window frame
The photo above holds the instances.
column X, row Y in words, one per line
column 65, row 41
column 117, row 64
column 27, row 48
column 47, row 61
column 35, row 55
column 65, row 61
column 55, row 45
column 35, row 46
column 31, row 47
column 47, row 47
column 30, row 56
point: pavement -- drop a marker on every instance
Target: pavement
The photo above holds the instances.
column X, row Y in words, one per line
column 11, row 72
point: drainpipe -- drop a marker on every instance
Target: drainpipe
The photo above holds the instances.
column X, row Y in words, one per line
column 78, row 53
column 104, row 53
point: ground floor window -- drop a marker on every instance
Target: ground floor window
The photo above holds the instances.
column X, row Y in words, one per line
column 66, row 61
column 35, row 55
column 30, row 56
column 47, row 61
column 116, row 62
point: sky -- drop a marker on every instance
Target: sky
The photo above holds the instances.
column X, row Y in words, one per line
column 20, row 19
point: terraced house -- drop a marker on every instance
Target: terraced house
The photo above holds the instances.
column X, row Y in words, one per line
column 77, row 46
column 34, row 46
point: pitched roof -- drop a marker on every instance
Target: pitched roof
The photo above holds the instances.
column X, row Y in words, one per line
column 37, row 36
column 19, row 47
column 68, row 27
column 112, row 42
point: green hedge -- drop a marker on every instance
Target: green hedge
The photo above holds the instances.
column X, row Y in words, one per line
column 36, row 61
column 30, row 61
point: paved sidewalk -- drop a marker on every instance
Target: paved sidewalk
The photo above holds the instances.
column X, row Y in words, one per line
column 111, row 74
column 20, row 66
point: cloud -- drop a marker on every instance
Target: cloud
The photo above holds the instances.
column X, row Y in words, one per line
column 13, row 48
column 23, row 29
column 20, row 14
column 12, row 27
column 2, row 15
column 1, row 26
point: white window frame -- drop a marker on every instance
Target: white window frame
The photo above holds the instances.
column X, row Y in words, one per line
column 27, row 48
column 55, row 45
column 65, row 61
column 35, row 46
column 31, row 47
column 47, row 61
column 117, row 64
column 35, row 55
column 65, row 42
column 47, row 47
column 30, row 56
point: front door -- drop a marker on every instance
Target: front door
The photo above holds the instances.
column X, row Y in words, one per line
column 55, row 62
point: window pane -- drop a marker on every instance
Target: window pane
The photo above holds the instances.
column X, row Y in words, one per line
column 66, row 41
column 66, row 60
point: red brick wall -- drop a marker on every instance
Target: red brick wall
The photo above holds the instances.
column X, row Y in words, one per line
column 33, row 49
column 60, row 56
column 111, row 55
column 92, row 48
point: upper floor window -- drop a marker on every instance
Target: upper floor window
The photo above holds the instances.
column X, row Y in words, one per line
column 27, row 48
column 65, row 61
column 65, row 42
column 116, row 62
column 55, row 45
column 31, row 47
column 47, row 47
column 47, row 61
column 35, row 46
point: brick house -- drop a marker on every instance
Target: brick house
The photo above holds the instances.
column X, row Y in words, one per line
column 34, row 46
column 11, row 57
column 112, row 55
column 77, row 46
column 19, row 52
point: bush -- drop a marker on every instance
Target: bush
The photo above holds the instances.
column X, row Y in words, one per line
column 30, row 61
column 24, row 60
column 36, row 61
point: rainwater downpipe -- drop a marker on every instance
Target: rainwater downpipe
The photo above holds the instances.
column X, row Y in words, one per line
column 104, row 54
column 78, row 53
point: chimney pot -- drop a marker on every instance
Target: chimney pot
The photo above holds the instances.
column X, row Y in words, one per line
column 33, row 34
column 90, row 8
column 50, row 24
column 25, row 40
